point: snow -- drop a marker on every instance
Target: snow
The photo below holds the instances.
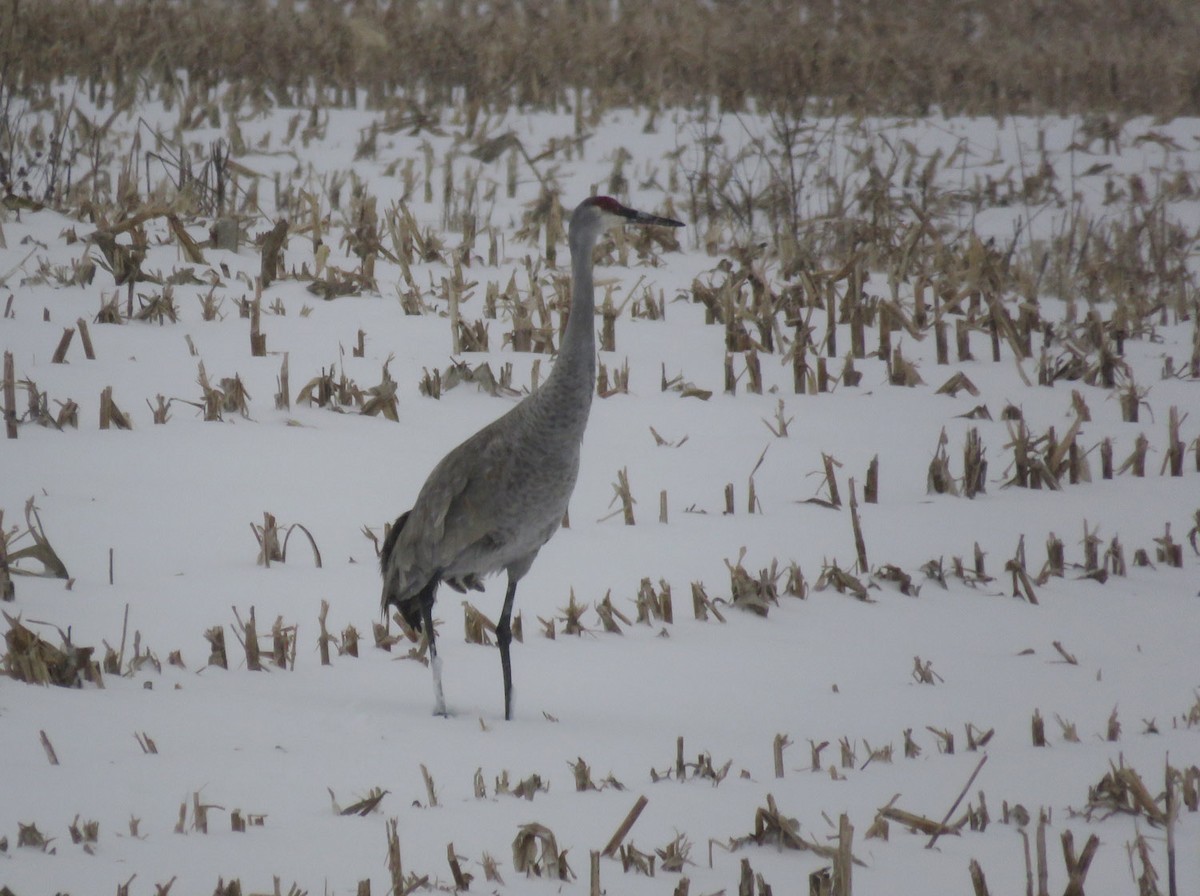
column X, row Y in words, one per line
column 173, row 506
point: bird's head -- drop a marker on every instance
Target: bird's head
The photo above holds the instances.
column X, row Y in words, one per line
column 600, row 213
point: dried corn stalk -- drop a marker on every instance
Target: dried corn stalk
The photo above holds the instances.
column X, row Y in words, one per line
column 40, row 551
column 536, row 853
column 382, row 399
column 841, row 581
column 940, row 480
column 31, row 659
column 271, row 549
column 1122, row 790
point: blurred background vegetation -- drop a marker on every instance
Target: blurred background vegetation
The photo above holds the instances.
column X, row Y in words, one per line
column 879, row 57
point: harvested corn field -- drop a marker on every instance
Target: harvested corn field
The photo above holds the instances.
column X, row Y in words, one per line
column 882, row 569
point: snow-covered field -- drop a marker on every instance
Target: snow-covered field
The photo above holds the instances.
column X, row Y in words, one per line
column 154, row 525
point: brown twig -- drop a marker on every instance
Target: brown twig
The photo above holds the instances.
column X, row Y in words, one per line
column 962, row 793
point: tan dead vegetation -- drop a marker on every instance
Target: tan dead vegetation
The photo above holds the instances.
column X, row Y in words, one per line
column 30, row 658
column 536, row 854
column 272, row 538
column 873, row 59
column 20, row 545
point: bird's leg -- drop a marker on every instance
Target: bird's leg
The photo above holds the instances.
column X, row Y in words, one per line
column 504, row 638
column 435, row 661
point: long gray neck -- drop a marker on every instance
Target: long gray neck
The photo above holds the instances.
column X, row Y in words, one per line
column 572, row 381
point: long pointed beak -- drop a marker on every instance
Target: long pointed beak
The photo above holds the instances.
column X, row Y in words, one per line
column 636, row 217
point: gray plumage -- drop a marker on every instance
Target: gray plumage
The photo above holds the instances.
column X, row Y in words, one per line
column 493, row 501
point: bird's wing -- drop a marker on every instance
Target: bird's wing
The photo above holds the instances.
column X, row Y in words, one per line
column 456, row 508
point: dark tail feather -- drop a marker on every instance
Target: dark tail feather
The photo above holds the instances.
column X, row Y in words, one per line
column 412, row 607
column 389, row 543
column 409, row 608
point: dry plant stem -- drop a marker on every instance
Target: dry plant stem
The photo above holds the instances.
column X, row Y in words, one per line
column 746, row 879
column 1028, row 862
column 110, row 414
column 124, row 628
column 10, row 397
column 325, row 639
column 216, row 639
column 1175, row 445
column 860, row 545
column 978, row 882
column 283, row 644
column 1077, row 868
column 272, row 250
column 283, row 401
column 1067, row 657
column 1038, row 726
column 258, row 339
column 394, row 865
column 950, row 811
column 623, row 829
column 752, row 500
column 462, row 881
column 1171, row 811
column 782, row 741
column 247, row 633
column 843, row 865
column 1043, row 871
column 625, row 496
column 1113, row 728
column 48, row 747
column 430, row 794
column 831, row 479
column 8, row 590
column 60, row 352
column 200, row 813
column 311, row 541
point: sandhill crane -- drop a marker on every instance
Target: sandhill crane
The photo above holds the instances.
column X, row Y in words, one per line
column 493, row 501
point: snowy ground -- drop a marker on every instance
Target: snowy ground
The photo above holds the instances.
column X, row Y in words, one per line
column 173, row 506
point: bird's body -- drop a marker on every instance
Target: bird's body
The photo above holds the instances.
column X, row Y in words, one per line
column 496, row 499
